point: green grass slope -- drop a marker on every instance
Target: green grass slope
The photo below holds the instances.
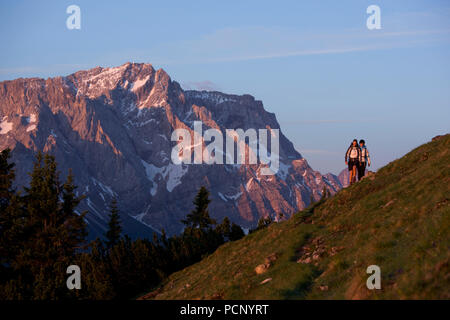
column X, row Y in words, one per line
column 398, row 219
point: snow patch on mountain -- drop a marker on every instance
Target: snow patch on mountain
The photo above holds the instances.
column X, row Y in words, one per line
column 140, row 218
column 175, row 172
column 105, row 188
column 5, row 126
column 30, row 119
column 94, row 209
column 106, row 79
column 139, row 83
column 171, row 173
column 151, row 171
column 234, row 196
column 214, row 97
column 283, row 170
column 222, row 196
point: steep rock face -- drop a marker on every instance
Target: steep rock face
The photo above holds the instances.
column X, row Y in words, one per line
column 113, row 127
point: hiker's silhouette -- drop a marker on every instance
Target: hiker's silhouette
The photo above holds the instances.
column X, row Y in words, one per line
column 364, row 161
column 352, row 159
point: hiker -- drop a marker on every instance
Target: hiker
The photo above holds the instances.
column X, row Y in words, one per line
column 352, row 159
column 365, row 159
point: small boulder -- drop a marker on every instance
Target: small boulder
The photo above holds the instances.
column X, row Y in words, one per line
column 437, row 138
column 262, row 268
column 268, row 261
column 266, row 280
column 389, row 203
column 307, row 260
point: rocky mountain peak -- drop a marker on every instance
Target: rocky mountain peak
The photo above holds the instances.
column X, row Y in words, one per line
column 113, row 127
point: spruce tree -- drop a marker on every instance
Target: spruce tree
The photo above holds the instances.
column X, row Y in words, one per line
column 236, row 232
column 97, row 276
column 7, row 176
column 264, row 222
column 52, row 232
column 74, row 223
column 199, row 217
column 114, row 228
column 224, row 228
column 9, row 223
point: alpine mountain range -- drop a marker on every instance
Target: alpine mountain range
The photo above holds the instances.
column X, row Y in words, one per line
column 113, row 126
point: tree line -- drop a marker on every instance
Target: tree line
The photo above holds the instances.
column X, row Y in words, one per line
column 42, row 233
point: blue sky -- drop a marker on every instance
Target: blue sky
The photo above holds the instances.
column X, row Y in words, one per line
column 314, row 64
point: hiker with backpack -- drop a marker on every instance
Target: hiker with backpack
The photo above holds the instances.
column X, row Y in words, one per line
column 365, row 159
column 352, row 159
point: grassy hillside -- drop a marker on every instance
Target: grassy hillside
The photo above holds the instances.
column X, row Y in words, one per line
column 398, row 219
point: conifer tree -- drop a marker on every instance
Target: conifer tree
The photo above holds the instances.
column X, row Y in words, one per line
column 236, row 232
column 224, row 229
column 74, row 223
column 97, row 275
column 8, row 222
column 264, row 222
column 199, row 217
column 7, row 176
column 47, row 233
column 114, row 228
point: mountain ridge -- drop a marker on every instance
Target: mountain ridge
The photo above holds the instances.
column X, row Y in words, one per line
column 112, row 126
